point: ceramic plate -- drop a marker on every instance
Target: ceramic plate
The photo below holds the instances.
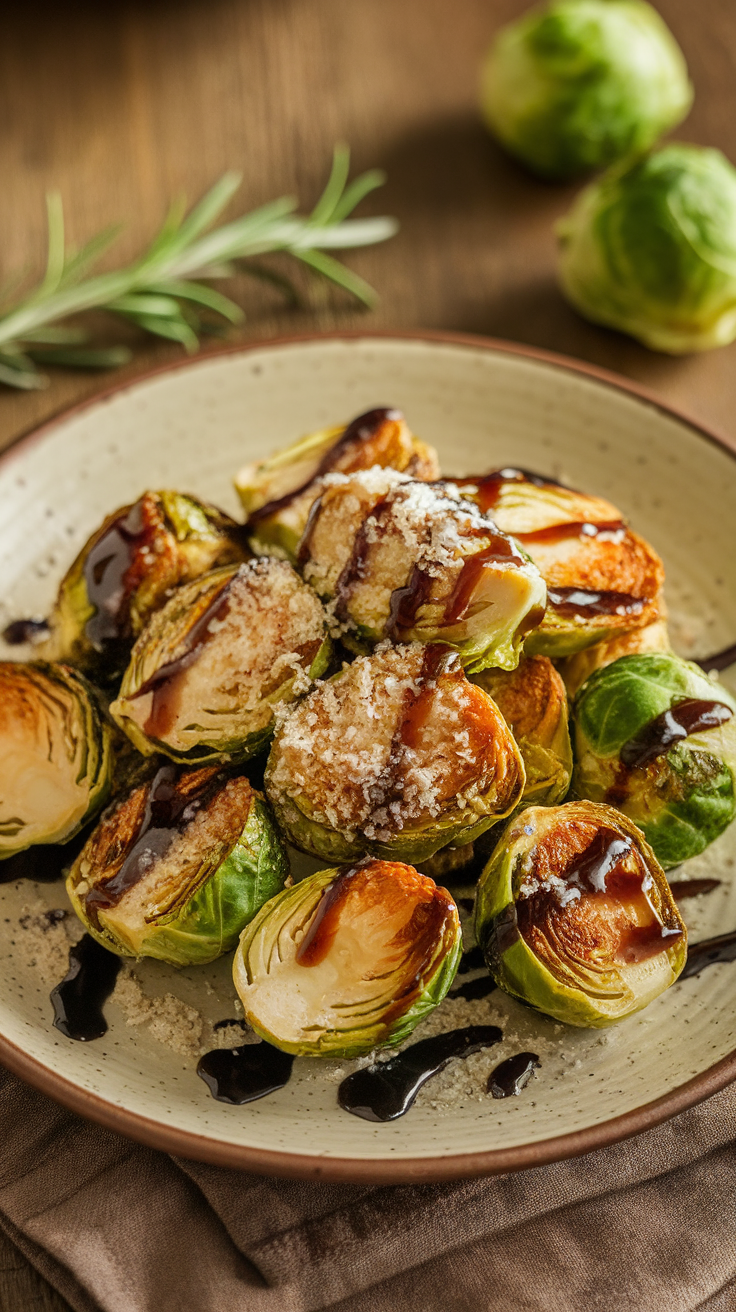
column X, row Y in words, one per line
column 482, row 405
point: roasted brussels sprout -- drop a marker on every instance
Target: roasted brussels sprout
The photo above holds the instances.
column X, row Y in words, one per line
column 348, row 960
column 576, row 669
column 655, row 738
column 575, row 916
column 127, row 570
column 206, row 673
column 277, row 494
column 398, row 755
column 602, row 579
column 178, row 867
column 533, row 702
column 416, row 562
column 55, row 755
column 650, row 249
column 576, row 84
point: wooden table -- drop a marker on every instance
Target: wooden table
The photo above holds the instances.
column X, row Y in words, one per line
column 123, row 105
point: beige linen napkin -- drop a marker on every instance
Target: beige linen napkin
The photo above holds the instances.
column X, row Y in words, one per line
column 648, row 1225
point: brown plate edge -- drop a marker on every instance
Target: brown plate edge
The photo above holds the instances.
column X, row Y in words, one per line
column 186, row 1144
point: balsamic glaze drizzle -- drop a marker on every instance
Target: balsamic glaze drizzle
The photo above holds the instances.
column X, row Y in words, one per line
column 473, row 959
column 512, row 1075
column 22, row 631
column 580, row 601
column 708, row 953
column 387, row 1090
column 79, row 998
column 688, row 716
column 240, row 1075
column 474, row 989
column 44, row 863
column 720, row 660
column 684, row 888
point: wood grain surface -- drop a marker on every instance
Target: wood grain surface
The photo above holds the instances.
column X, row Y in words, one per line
column 123, row 105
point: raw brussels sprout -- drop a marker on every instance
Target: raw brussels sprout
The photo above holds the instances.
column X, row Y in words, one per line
column 206, row 673
column 416, row 562
column 398, row 755
column 655, row 738
column 650, row 249
column 576, row 669
column 178, row 867
column 533, row 702
column 55, row 755
column 126, row 571
column 277, row 494
column 575, row 916
column 602, row 579
column 576, row 84
column 348, row 960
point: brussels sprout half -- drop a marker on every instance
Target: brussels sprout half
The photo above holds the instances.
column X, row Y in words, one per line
column 533, row 702
column 576, row 84
column 205, row 675
column 576, row 669
column 575, row 916
column 348, row 960
column 650, row 249
column 398, row 755
column 602, row 579
column 56, row 758
column 277, row 494
column 126, row 571
column 177, row 868
column 416, row 562
column 655, row 738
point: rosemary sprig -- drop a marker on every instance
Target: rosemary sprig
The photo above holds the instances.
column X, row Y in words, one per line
column 162, row 291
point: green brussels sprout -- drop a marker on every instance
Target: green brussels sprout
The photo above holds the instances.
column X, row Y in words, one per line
column 602, row 579
column 533, row 702
column 576, row 84
column 398, row 755
column 56, row 761
column 277, row 494
column 348, row 960
column 657, row 739
column 207, row 672
column 575, row 916
column 650, row 249
column 576, row 669
column 416, row 562
column 127, row 569
column 178, row 867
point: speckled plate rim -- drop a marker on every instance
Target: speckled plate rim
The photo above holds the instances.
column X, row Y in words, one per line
column 184, row 1143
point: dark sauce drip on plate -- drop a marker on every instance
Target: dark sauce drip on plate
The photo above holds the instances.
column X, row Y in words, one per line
column 164, row 684
column 512, row 1075
column 169, row 809
column 685, row 888
column 688, row 716
column 44, row 863
column 600, row 871
column 240, row 1075
column 387, row 1090
column 105, row 571
column 360, row 430
column 585, row 603
column 475, row 989
column 708, row 953
column 22, row 631
column 79, row 998
column 720, row 660
column 473, row 959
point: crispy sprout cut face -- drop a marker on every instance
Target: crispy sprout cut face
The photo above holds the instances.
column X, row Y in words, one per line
column 576, row 669
column 655, row 738
column 348, row 960
column 277, row 494
column 415, row 562
column 399, row 755
column 575, row 915
column 533, row 702
column 602, row 579
column 178, row 868
column 206, row 673
column 127, row 570
column 56, row 759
